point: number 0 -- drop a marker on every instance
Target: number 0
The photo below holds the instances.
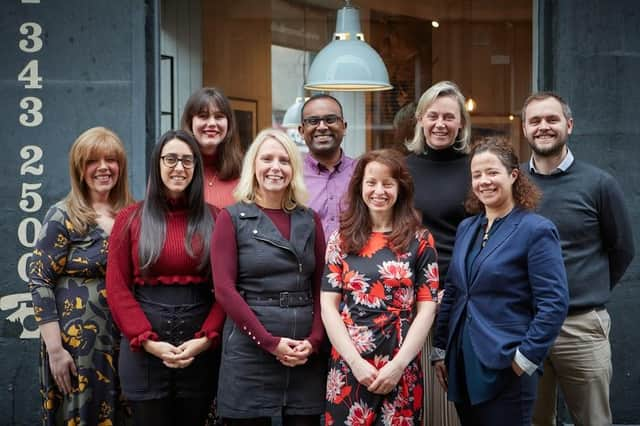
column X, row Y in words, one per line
column 22, row 267
column 26, row 238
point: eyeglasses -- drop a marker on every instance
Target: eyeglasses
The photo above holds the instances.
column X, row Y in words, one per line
column 172, row 161
column 315, row 121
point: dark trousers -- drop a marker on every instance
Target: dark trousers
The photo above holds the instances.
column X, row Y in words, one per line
column 171, row 411
column 513, row 406
column 266, row 421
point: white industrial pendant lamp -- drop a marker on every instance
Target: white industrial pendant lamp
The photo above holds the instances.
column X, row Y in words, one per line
column 348, row 63
column 293, row 116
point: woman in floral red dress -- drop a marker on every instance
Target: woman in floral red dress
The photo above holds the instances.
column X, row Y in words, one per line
column 378, row 298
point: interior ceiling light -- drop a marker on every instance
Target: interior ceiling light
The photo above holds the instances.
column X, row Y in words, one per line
column 470, row 105
column 435, row 24
column 293, row 117
column 348, row 63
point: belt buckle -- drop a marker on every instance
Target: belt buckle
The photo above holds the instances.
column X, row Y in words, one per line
column 284, row 299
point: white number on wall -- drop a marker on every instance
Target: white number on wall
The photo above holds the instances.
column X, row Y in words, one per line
column 30, row 201
column 33, row 116
column 33, row 42
column 28, row 231
column 22, row 266
column 33, row 154
column 29, row 75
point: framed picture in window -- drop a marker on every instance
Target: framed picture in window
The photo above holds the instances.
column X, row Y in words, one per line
column 246, row 113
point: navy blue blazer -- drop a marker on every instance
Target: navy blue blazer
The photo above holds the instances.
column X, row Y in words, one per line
column 516, row 296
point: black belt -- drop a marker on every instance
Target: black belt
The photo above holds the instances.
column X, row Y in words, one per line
column 579, row 310
column 284, row 299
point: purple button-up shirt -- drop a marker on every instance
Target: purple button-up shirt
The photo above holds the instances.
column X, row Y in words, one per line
column 326, row 189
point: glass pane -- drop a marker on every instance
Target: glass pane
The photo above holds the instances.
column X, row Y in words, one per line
column 263, row 50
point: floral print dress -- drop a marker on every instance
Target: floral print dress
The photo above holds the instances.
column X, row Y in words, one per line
column 379, row 290
column 66, row 279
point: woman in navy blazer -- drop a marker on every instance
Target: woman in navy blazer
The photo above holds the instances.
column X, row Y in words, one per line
column 505, row 295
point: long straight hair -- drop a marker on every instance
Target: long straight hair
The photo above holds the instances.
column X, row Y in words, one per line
column 153, row 229
column 355, row 221
column 228, row 158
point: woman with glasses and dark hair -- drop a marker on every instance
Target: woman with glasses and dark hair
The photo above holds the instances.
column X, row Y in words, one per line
column 78, row 378
column 378, row 298
column 160, row 290
column 210, row 119
column 267, row 253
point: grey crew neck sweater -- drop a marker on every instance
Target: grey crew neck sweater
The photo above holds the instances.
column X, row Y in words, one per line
column 587, row 206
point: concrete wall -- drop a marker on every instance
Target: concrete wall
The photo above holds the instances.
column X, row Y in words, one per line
column 590, row 54
column 93, row 61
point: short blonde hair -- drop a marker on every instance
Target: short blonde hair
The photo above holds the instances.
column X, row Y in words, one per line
column 440, row 89
column 91, row 144
column 296, row 194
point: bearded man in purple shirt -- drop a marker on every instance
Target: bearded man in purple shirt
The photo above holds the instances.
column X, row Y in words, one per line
column 327, row 170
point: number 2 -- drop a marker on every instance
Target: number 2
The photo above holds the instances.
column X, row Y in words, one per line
column 33, row 154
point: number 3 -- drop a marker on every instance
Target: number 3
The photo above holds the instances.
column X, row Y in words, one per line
column 33, row 31
column 33, row 116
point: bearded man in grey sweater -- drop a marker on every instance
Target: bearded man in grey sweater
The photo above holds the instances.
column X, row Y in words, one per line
column 587, row 206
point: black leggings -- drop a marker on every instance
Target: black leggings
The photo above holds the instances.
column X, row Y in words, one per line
column 171, row 411
column 266, row 421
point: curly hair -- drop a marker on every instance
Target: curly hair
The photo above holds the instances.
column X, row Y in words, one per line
column 525, row 193
column 355, row 220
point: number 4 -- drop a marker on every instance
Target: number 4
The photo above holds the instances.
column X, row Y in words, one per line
column 29, row 74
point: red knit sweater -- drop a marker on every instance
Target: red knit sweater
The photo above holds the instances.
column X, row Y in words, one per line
column 174, row 266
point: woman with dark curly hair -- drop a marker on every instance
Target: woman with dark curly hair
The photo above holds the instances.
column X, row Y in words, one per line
column 378, row 298
column 505, row 296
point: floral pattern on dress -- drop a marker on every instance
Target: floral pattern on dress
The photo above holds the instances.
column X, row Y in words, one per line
column 379, row 289
column 66, row 279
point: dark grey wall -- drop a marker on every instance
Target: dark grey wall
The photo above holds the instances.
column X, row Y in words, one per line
column 590, row 54
column 96, row 62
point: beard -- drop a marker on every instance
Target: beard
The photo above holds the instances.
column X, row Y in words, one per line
column 549, row 150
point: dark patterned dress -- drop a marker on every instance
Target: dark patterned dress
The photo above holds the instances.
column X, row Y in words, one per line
column 66, row 279
column 379, row 289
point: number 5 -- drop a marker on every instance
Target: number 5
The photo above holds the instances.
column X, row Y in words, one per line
column 28, row 193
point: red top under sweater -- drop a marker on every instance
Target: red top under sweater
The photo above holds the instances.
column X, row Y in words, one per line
column 174, row 266
column 216, row 191
column 224, row 261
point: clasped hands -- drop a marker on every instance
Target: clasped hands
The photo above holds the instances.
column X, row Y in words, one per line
column 380, row 381
column 292, row 352
column 177, row 356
